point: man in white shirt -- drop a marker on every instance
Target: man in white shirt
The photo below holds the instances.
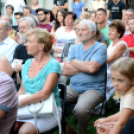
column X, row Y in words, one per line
column 17, row 4
column 7, row 45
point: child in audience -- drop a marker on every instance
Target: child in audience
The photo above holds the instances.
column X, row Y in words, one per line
column 123, row 82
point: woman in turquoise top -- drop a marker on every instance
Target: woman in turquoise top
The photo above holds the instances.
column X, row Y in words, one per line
column 39, row 78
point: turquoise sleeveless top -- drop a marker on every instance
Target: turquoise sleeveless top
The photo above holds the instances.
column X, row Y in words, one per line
column 33, row 85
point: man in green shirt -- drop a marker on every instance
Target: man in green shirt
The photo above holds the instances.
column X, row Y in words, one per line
column 101, row 19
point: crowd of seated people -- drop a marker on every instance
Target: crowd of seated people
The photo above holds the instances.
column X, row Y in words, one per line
column 78, row 48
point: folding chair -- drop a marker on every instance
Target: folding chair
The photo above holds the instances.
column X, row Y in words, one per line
column 104, row 103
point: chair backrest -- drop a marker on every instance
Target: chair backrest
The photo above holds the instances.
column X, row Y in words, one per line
column 62, row 91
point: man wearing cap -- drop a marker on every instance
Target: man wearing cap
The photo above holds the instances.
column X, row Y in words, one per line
column 41, row 14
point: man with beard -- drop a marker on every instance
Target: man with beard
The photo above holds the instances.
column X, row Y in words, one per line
column 20, row 53
column 86, row 64
column 41, row 14
column 129, row 39
column 7, row 45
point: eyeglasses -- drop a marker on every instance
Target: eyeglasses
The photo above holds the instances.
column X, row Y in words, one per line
column 40, row 14
column 68, row 19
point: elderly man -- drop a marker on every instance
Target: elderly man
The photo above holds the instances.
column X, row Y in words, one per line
column 7, row 45
column 25, row 24
column 129, row 39
column 11, row 32
column 86, row 64
column 129, row 15
column 20, row 54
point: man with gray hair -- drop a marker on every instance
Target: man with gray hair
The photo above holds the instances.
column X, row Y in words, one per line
column 11, row 32
column 25, row 24
column 86, row 64
column 7, row 45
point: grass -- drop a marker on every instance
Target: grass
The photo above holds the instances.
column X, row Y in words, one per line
column 111, row 109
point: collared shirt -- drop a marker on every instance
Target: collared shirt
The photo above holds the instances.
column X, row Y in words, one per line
column 7, row 48
column 129, row 39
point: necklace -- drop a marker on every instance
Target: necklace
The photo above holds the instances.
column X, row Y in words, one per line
column 38, row 69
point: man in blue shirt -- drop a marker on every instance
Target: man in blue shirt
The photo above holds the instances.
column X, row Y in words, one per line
column 7, row 45
column 86, row 64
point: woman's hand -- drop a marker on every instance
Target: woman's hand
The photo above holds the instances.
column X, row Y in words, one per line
column 99, row 121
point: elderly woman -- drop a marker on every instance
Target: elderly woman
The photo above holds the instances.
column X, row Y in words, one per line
column 8, row 97
column 116, row 49
column 64, row 34
column 39, row 78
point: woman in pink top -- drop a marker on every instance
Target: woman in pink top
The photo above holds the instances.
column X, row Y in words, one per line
column 8, row 97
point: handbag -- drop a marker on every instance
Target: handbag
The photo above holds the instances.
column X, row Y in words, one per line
column 45, row 108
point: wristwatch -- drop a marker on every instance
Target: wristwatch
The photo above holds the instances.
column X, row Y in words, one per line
column 20, row 104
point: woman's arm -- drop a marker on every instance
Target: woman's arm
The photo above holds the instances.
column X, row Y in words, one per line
column 49, row 85
column 2, row 113
column 120, row 49
column 83, row 9
column 126, row 114
column 21, row 90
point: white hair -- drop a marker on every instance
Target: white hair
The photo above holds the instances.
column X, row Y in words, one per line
column 30, row 20
column 90, row 24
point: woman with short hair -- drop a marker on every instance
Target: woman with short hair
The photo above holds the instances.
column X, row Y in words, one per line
column 39, row 78
column 116, row 49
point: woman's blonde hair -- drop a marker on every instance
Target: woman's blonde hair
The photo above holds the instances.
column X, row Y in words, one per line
column 125, row 66
column 43, row 37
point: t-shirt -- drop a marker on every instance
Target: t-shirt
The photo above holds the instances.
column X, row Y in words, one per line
column 105, row 32
column 21, row 53
column 8, row 103
column 129, row 39
column 63, row 38
column 77, row 8
column 48, row 27
column 86, row 81
column 117, row 9
column 60, row 3
column 17, row 4
column 102, row 38
column 38, row 81
column 127, row 101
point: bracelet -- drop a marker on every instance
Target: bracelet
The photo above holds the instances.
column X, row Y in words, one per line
column 20, row 104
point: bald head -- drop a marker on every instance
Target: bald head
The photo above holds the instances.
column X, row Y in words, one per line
column 7, row 18
column 5, row 24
